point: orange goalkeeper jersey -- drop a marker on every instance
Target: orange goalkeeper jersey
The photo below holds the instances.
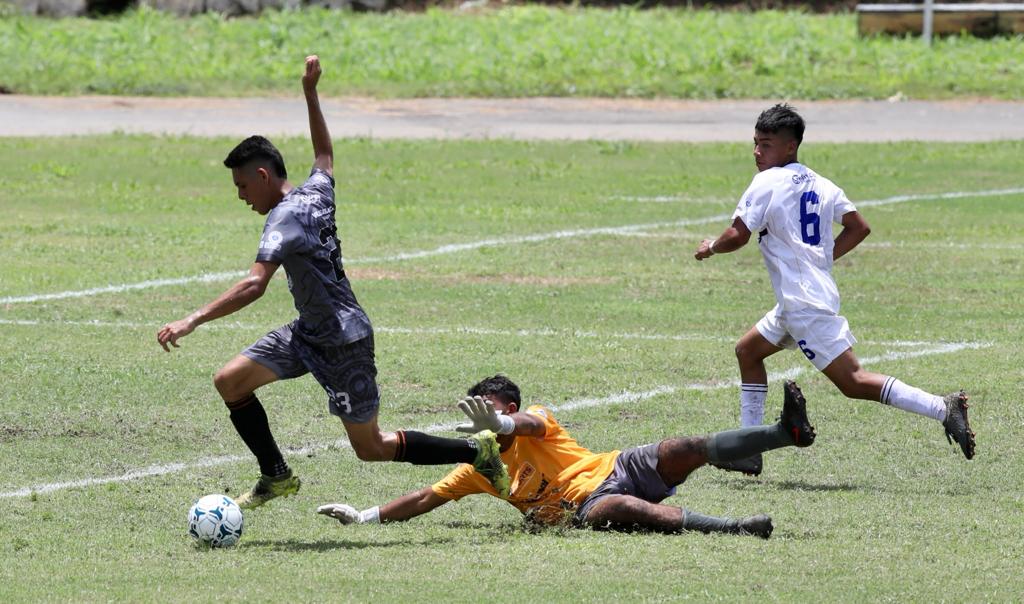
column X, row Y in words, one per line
column 551, row 475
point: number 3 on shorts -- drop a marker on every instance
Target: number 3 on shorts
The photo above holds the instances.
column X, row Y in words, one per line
column 804, row 349
column 340, row 400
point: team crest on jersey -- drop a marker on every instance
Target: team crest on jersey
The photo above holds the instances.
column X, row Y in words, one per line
column 272, row 241
column 524, row 476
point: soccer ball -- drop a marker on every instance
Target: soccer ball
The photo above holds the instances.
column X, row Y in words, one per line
column 215, row 520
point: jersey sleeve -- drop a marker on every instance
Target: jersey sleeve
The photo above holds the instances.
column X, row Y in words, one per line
column 320, row 182
column 841, row 207
column 550, row 423
column 753, row 206
column 460, row 482
column 283, row 236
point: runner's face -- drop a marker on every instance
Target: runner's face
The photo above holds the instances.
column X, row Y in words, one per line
column 253, row 186
column 773, row 150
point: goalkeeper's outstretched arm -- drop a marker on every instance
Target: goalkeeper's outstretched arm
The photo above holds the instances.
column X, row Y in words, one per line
column 403, row 508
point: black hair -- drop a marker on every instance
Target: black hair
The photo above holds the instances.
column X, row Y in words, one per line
column 781, row 117
column 499, row 387
column 256, row 148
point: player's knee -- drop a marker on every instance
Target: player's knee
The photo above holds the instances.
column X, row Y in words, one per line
column 225, row 384
column 746, row 354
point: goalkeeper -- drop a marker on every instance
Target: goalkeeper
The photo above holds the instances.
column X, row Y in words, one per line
column 556, row 481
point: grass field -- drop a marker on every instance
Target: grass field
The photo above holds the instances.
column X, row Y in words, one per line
column 570, row 269
column 511, row 52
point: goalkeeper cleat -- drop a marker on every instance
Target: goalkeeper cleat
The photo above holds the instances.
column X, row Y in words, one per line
column 268, row 488
column 751, row 466
column 488, row 462
column 956, row 424
column 794, row 416
column 758, row 526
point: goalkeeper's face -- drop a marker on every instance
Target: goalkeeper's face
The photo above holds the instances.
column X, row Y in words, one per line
column 500, row 406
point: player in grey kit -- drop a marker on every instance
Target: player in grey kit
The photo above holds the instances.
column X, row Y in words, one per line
column 332, row 338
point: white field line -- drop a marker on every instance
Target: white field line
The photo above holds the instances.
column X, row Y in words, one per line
column 469, row 331
column 615, row 399
column 475, row 245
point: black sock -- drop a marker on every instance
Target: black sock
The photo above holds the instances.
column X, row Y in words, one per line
column 250, row 420
column 693, row 521
column 744, row 442
column 426, row 450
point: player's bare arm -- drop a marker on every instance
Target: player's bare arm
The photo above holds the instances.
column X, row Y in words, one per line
column 238, row 296
column 855, row 230
column 731, row 239
column 323, row 151
column 410, row 505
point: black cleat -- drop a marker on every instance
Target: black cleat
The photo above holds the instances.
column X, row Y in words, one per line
column 758, row 526
column 956, row 424
column 794, row 415
column 751, row 466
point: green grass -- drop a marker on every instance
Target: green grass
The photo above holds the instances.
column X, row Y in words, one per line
column 880, row 509
column 511, row 52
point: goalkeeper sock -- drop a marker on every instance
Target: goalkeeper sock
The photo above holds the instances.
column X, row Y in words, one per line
column 694, row 521
column 425, row 450
column 741, row 443
column 250, row 420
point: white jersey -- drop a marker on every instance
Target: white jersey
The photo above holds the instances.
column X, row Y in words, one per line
column 792, row 209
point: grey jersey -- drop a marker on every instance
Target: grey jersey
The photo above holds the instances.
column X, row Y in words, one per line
column 301, row 236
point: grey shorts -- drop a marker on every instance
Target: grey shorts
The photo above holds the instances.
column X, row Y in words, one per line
column 636, row 474
column 346, row 372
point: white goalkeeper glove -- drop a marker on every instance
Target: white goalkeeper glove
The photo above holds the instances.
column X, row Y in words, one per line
column 484, row 417
column 347, row 514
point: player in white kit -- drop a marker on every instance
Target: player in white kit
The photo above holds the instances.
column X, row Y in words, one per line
column 792, row 210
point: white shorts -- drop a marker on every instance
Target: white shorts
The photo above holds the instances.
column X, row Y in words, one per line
column 821, row 336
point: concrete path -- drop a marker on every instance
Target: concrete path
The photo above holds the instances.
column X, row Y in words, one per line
column 542, row 119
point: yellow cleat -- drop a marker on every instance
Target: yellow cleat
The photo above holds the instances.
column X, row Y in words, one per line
column 268, row 488
column 488, row 462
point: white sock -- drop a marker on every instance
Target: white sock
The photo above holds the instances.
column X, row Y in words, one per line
column 752, row 404
column 915, row 400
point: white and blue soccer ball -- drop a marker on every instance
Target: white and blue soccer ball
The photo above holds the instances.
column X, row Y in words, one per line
column 215, row 520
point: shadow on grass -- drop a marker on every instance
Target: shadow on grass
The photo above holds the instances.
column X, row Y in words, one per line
column 793, row 485
column 292, row 545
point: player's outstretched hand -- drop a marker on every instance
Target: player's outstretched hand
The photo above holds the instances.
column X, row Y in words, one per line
column 341, row 512
column 312, row 75
column 704, row 250
column 170, row 333
column 482, row 414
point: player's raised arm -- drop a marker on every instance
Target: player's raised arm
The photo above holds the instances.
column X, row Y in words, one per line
column 855, row 229
column 323, row 151
column 240, row 294
column 403, row 508
column 731, row 239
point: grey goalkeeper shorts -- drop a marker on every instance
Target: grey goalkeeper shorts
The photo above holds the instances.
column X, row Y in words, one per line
column 346, row 372
column 636, row 474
